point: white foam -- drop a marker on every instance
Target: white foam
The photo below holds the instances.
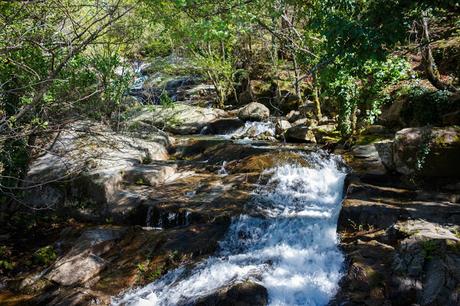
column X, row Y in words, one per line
column 253, row 129
column 292, row 251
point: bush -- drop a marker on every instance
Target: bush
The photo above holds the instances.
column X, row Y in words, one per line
column 45, row 255
column 426, row 106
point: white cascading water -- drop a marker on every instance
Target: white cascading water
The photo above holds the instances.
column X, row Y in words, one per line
column 253, row 129
column 289, row 245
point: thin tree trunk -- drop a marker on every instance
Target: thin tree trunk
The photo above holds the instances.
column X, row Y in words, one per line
column 354, row 119
column 316, row 99
column 297, row 77
column 428, row 61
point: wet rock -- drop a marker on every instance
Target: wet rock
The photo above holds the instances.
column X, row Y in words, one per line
column 392, row 116
column 367, row 159
column 83, row 262
column 260, row 162
column 217, row 151
column 326, row 133
column 281, row 125
column 385, row 151
column 152, row 175
column 431, row 152
column 243, row 294
column 452, row 118
column 178, row 118
column 77, row 270
column 375, row 130
column 223, row 126
column 72, row 297
column 300, row 133
column 293, row 116
column 306, row 122
column 254, row 111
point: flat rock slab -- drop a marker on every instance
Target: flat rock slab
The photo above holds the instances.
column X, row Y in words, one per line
column 77, row 270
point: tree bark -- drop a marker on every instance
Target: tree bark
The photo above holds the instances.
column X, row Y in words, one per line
column 316, row 99
column 429, row 64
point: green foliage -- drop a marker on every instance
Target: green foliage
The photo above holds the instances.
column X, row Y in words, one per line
column 426, row 106
column 363, row 86
column 147, row 273
column 423, row 151
column 345, row 91
column 5, row 263
column 165, row 100
column 45, row 255
column 430, row 248
column 221, row 71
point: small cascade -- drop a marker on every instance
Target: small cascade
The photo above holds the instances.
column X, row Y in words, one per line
column 187, row 218
column 139, row 76
column 288, row 243
column 222, row 171
column 148, row 219
column 253, row 130
column 160, row 219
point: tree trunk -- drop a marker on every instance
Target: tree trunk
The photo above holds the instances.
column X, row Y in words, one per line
column 429, row 64
column 297, row 77
column 316, row 99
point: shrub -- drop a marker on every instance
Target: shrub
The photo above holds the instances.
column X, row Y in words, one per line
column 45, row 255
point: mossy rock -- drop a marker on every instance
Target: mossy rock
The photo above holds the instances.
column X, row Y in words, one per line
column 430, row 152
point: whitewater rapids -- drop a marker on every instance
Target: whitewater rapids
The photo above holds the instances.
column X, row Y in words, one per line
column 289, row 244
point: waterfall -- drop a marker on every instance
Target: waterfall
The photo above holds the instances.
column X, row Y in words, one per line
column 222, row 171
column 253, row 129
column 288, row 243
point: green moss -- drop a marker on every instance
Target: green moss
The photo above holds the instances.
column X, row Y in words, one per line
column 38, row 286
column 429, row 248
column 331, row 139
column 443, row 142
column 141, row 181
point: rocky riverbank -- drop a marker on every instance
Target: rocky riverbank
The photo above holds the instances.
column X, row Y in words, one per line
column 402, row 238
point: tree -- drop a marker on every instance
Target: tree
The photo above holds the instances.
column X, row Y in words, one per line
column 44, row 48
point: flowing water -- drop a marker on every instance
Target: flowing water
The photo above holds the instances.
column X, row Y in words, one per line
column 288, row 243
column 253, row 129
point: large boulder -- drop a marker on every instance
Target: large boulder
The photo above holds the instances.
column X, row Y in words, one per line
column 87, row 160
column 242, row 294
column 223, row 126
column 326, row 133
column 300, row 133
column 428, row 151
column 254, row 111
column 367, row 160
column 281, row 125
column 178, row 118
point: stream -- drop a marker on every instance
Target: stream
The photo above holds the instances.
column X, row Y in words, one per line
column 286, row 242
